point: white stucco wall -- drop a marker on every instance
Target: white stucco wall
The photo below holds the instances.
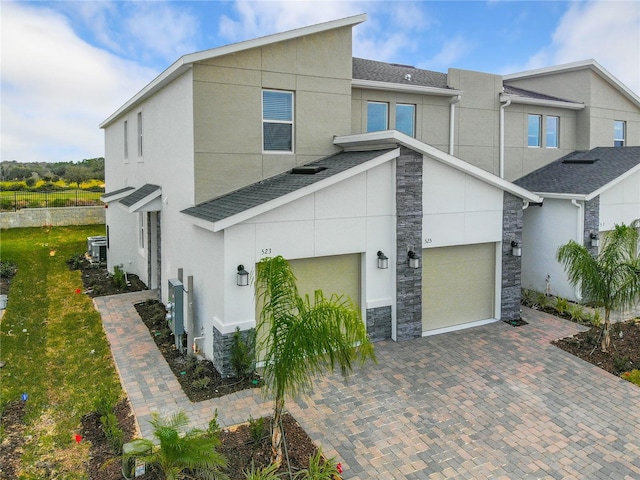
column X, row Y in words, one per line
column 621, row 203
column 544, row 230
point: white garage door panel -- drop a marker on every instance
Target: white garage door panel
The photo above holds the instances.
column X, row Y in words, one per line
column 457, row 285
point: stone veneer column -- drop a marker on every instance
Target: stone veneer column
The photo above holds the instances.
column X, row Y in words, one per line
column 591, row 223
column 408, row 234
column 379, row 323
column 222, row 350
column 511, row 266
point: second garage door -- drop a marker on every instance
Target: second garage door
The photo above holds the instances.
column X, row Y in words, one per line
column 458, row 285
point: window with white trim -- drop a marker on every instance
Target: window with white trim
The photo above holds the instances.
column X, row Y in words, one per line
column 406, row 119
column 551, row 131
column 619, row 131
column 126, row 140
column 140, row 134
column 277, row 121
column 377, row 116
column 533, row 130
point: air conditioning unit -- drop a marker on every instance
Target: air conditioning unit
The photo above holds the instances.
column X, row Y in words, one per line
column 98, row 250
column 97, row 238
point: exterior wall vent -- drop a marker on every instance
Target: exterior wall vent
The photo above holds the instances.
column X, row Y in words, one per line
column 307, row 170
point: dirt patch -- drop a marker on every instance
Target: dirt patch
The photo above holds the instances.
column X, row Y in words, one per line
column 624, row 354
column 13, row 439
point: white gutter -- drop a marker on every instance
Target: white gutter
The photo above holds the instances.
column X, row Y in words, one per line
column 502, row 107
column 452, row 116
column 542, row 102
column 579, row 241
column 403, row 87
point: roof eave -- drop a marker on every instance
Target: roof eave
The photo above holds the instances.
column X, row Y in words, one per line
column 395, row 137
column 185, row 62
column 613, row 182
column 401, row 87
column 504, row 97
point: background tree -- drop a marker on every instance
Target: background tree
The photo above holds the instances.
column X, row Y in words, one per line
column 611, row 279
column 300, row 339
column 77, row 174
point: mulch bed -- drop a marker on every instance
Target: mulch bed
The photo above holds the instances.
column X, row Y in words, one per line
column 13, row 438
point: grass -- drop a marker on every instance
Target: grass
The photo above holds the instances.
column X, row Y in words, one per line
column 54, row 347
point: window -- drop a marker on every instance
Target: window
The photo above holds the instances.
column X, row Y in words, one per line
column 139, row 134
column 619, row 128
column 277, row 121
column 552, row 132
column 126, row 140
column 406, row 119
column 377, row 116
column 141, row 222
column 533, row 131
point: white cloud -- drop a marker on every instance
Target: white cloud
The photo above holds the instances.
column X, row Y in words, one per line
column 450, row 52
column 56, row 88
column 606, row 31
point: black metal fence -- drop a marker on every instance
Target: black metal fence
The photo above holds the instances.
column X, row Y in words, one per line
column 14, row 201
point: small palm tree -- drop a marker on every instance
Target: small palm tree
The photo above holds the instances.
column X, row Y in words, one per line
column 300, row 339
column 181, row 456
column 610, row 280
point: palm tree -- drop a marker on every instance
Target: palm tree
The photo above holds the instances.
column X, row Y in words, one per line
column 180, row 456
column 300, row 339
column 609, row 280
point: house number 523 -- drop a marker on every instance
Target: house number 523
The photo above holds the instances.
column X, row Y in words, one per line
column 265, row 251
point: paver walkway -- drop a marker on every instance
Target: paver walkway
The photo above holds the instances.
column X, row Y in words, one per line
column 492, row 402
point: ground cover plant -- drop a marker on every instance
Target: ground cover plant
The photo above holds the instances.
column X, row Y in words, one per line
column 55, row 353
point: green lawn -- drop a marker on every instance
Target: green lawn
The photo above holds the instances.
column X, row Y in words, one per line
column 54, row 346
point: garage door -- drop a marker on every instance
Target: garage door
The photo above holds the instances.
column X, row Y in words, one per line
column 338, row 274
column 457, row 285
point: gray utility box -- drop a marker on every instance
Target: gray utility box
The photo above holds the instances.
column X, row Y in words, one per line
column 175, row 310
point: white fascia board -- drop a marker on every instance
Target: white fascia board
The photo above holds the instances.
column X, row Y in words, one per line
column 541, row 102
column 150, row 203
column 117, row 196
column 402, row 87
column 290, row 197
column 563, row 196
column 613, row 183
column 581, row 65
column 395, row 137
column 186, row 61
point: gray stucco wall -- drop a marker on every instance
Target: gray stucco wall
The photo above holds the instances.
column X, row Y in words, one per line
column 511, row 266
column 55, row 217
column 408, row 234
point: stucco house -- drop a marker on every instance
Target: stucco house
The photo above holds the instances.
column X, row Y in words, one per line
column 586, row 193
column 287, row 145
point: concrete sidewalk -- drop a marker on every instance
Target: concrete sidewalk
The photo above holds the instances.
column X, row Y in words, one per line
column 494, row 402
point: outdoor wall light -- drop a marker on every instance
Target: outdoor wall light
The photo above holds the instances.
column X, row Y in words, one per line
column 414, row 262
column 383, row 260
column 595, row 240
column 242, row 276
column 516, row 249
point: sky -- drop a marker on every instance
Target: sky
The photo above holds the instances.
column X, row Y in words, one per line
column 68, row 65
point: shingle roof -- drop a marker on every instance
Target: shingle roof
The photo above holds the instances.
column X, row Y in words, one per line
column 582, row 172
column 116, row 192
column 521, row 92
column 139, row 194
column 278, row 186
column 394, row 73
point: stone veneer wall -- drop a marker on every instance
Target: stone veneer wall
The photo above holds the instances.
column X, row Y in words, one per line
column 222, row 350
column 55, row 217
column 408, row 234
column 379, row 323
column 591, row 223
column 511, row 266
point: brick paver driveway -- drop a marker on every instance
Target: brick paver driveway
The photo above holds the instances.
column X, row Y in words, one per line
column 489, row 402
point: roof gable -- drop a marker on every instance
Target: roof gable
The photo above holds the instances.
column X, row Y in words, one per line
column 583, row 174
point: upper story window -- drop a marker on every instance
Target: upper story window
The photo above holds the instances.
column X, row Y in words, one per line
column 126, row 140
column 140, row 134
column 377, row 116
column 533, row 130
column 619, row 131
column 552, row 124
column 406, row 119
column 277, row 121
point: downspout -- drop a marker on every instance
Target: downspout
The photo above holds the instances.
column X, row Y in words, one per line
column 502, row 107
column 452, row 116
column 579, row 240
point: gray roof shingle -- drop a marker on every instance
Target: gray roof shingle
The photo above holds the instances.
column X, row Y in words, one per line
column 582, row 172
column 116, row 192
column 139, row 194
column 521, row 92
column 394, row 73
column 258, row 193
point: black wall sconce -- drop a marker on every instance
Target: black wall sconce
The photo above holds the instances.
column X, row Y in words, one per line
column 242, row 277
column 414, row 262
column 595, row 239
column 516, row 249
column 383, row 260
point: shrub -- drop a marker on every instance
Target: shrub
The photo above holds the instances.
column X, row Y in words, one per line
column 561, row 305
column 7, row 204
column 214, row 429
column 576, row 312
column 7, row 269
column 242, row 353
column 113, row 432
column 633, row 376
column 257, row 428
column 528, row 297
column 201, row 383
column 595, row 319
column 319, row 468
column 76, row 261
column 118, row 277
column 620, row 364
column 265, row 473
